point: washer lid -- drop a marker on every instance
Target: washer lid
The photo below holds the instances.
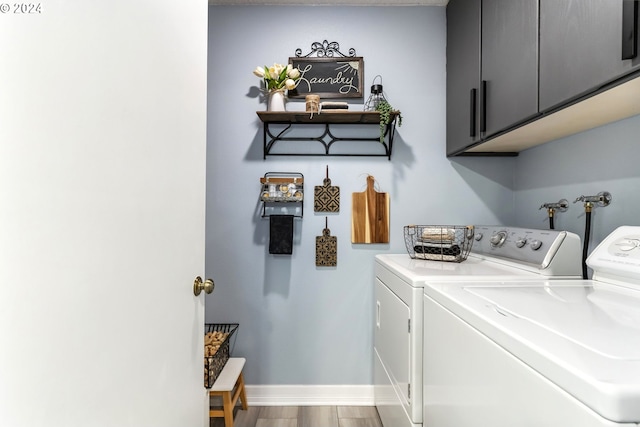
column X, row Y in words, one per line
column 598, row 320
column 582, row 335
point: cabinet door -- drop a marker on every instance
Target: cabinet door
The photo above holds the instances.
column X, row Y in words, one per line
column 463, row 74
column 581, row 47
column 509, row 63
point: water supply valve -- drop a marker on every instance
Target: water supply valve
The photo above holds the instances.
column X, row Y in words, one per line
column 560, row 206
column 601, row 199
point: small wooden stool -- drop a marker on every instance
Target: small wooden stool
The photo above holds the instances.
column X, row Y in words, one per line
column 229, row 379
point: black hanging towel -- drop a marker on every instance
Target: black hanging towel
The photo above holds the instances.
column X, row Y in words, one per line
column 281, row 234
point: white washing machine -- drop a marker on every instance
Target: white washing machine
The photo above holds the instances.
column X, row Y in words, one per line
column 538, row 353
column 498, row 253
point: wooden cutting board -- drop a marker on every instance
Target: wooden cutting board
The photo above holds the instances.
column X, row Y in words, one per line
column 370, row 215
column 326, row 197
column 326, row 248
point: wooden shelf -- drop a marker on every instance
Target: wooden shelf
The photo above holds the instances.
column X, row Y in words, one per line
column 334, row 117
column 326, row 138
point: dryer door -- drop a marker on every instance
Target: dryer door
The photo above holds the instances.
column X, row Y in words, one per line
column 392, row 338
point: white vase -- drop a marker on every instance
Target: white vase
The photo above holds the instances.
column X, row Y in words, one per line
column 276, row 101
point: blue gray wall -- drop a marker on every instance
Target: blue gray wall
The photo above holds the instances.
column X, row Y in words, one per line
column 300, row 324
column 306, row 325
column 601, row 159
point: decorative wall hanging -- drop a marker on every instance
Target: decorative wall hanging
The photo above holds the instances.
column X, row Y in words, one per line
column 370, row 215
column 329, row 74
column 326, row 248
column 326, row 196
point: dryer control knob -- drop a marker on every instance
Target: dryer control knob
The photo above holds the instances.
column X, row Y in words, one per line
column 536, row 244
column 478, row 237
column 521, row 242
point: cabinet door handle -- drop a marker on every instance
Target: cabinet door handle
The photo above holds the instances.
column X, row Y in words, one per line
column 472, row 113
column 483, row 107
column 629, row 29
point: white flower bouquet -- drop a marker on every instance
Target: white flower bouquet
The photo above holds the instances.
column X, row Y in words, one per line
column 278, row 76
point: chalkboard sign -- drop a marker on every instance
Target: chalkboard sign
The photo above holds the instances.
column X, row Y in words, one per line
column 329, row 77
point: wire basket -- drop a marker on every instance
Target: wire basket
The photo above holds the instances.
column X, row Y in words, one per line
column 217, row 352
column 439, row 242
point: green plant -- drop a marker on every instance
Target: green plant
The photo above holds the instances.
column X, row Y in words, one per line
column 385, row 109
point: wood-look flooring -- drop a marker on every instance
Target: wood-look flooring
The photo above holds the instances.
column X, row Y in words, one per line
column 303, row 416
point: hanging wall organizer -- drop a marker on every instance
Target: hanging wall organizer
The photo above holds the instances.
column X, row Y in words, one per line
column 280, row 189
column 282, row 195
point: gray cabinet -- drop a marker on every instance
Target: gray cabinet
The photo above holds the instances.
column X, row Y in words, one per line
column 581, row 46
column 509, row 63
column 492, row 68
column 463, row 74
column 525, row 60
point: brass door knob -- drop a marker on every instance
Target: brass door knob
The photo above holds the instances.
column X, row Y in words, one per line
column 199, row 286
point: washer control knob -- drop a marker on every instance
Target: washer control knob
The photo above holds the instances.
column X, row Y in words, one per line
column 498, row 238
column 536, row 244
column 478, row 237
column 521, row 242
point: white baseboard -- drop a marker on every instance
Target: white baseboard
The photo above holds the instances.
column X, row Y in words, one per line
column 310, row 395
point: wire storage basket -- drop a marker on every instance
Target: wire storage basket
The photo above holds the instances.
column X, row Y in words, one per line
column 439, row 242
column 216, row 349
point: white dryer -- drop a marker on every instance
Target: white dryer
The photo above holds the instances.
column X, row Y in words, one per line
column 498, row 253
column 538, row 353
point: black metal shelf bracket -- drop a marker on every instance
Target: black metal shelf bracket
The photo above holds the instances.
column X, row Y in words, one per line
column 326, row 138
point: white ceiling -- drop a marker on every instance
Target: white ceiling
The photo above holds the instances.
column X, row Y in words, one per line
column 329, row 2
